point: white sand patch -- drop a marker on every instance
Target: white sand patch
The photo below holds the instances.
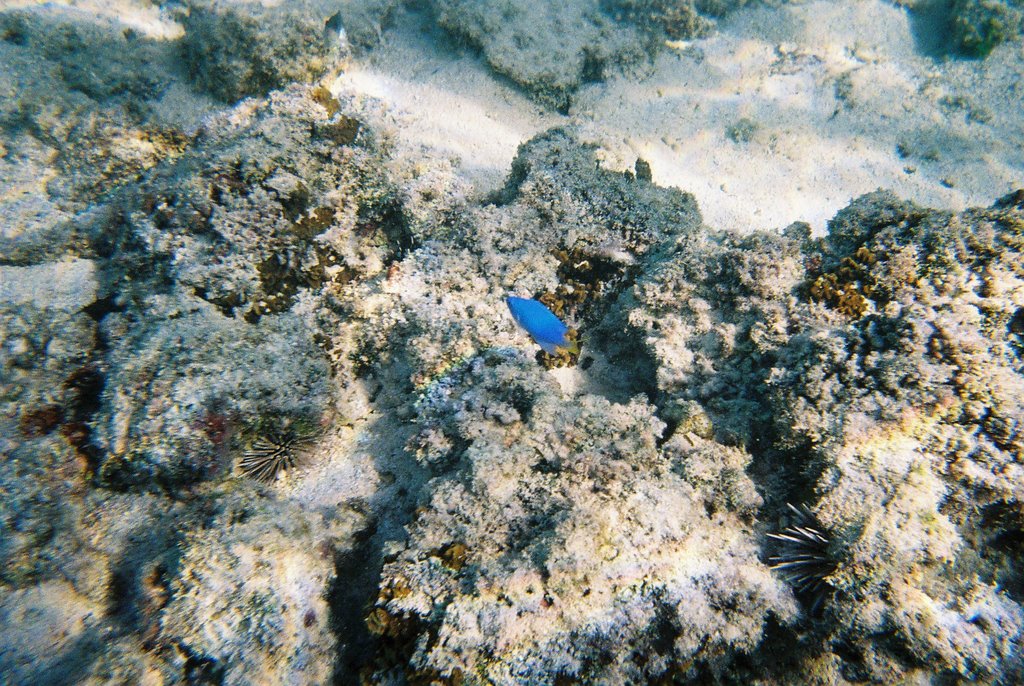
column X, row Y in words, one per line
column 824, row 102
column 445, row 104
column 337, row 469
column 143, row 16
column 784, row 114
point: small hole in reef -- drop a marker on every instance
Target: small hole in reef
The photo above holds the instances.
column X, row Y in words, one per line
column 1016, row 325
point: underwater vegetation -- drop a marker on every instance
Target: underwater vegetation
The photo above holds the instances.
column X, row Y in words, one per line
column 978, row 26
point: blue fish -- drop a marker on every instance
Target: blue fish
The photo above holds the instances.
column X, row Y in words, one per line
column 546, row 329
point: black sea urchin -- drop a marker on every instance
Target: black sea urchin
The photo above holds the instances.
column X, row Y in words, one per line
column 804, row 558
column 272, row 454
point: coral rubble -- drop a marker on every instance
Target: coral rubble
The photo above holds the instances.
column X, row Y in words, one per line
column 252, row 599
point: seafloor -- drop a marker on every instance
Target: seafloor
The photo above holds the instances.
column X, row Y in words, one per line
column 265, row 417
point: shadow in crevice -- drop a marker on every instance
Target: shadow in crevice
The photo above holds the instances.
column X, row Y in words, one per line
column 931, row 25
column 350, row 598
column 782, row 651
column 392, row 507
column 73, row 664
column 1002, row 534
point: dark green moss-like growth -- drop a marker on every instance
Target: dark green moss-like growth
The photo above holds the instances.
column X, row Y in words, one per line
column 980, row 25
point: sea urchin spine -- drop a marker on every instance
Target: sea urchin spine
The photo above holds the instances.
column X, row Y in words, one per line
column 804, row 558
column 272, row 454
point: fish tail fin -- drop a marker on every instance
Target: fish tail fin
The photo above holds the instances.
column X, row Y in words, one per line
column 572, row 346
column 550, row 348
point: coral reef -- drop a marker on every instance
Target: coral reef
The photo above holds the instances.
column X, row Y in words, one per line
column 557, row 533
column 274, row 199
column 444, row 301
column 89, row 608
column 552, row 49
column 48, row 389
column 127, row 396
column 182, row 304
column 185, row 379
column 80, row 101
column 968, row 28
column 900, row 419
column 981, row 25
column 275, row 202
column 672, row 18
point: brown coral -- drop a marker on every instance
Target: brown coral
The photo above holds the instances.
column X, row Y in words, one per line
column 850, row 287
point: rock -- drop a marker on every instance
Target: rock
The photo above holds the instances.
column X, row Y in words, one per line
column 554, row 539
column 48, row 387
column 239, row 48
column 187, row 381
column 251, row 596
column 46, row 633
column 550, row 49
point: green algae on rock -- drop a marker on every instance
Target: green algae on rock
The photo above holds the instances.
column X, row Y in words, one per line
column 981, row 25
